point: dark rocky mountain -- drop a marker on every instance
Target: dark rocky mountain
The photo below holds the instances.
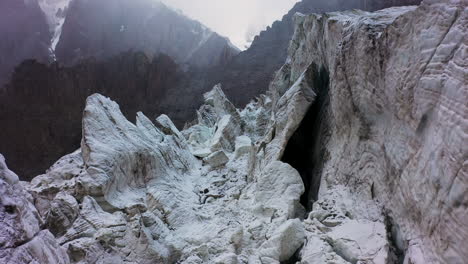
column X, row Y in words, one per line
column 105, row 28
column 24, row 34
column 40, row 109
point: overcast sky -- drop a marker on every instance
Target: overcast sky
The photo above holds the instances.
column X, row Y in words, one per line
column 240, row 20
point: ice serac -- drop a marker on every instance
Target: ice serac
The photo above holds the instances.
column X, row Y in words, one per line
column 143, row 193
column 125, row 162
column 113, row 43
column 388, row 130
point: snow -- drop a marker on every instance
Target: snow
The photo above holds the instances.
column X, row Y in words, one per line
column 55, row 18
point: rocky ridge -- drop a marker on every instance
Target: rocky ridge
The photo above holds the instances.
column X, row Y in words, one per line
column 109, row 27
column 380, row 94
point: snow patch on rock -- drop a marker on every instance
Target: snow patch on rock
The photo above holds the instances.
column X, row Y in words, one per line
column 55, row 11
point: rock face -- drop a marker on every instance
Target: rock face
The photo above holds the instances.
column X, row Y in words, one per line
column 28, row 41
column 355, row 155
column 109, row 27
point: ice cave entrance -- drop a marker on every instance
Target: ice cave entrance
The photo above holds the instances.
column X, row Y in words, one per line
column 306, row 150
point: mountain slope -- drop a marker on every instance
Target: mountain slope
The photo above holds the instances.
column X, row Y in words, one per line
column 105, row 28
column 24, row 34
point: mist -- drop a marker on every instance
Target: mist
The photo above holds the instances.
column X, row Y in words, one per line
column 239, row 20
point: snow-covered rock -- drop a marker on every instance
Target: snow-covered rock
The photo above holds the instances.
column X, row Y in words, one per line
column 21, row 237
column 283, row 243
column 7, row 175
column 243, row 146
column 217, row 159
column 279, row 187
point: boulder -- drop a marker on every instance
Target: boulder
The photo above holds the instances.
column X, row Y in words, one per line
column 7, row 175
column 227, row 131
column 243, row 146
column 284, row 242
column 279, row 187
column 217, row 159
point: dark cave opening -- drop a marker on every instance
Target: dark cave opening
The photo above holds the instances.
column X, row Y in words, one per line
column 396, row 241
column 306, row 150
column 295, row 258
